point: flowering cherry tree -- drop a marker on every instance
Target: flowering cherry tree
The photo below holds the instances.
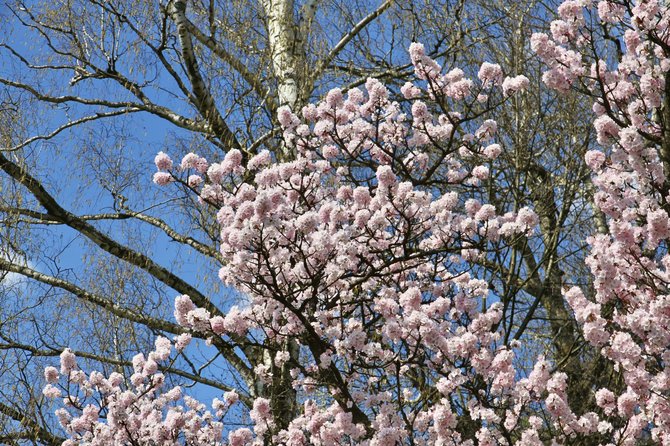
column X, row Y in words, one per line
column 355, row 259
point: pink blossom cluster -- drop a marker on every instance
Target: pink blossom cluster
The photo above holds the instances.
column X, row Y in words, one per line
column 200, row 320
column 351, row 252
column 628, row 316
column 454, row 84
column 197, row 173
column 348, row 251
column 513, row 84
column 140, row 410
column 304, row 235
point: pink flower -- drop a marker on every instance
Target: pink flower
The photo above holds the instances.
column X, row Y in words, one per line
column 261, row 415
column 175, row 420
column 218, row 324
column 182, row 341
column 261, row 160
column 68, row 362
column 515, row 84
column 194, row 180
column 115, row 379
column 606, row 400
column 163, row 161
column 240, row 437
column 627, row 402
column 230, row 398
column 51, row 392
column 410, row 91
column 330, row 151
column 606, row 129
column 182, row 306
column 487, row 130
column 543, row 46
column 150, row 368
column 527, row 218
column 334, row 98
column 486, row 212
column 198, row 319
column 411, row 299
column 235, row 321
column 609, row 11
column 163, row 347
column 595, row 159
column 138, row 362
column 232, row 160
column 571, row 9
column 658, row 226
column 480, row 172
column 385, row 176
column 51, row 375
column 424, row 66
column 361, row 196
column 562, row 31
column 163, row 178
column 189, row 161
column 492, row 151
column 459, row 89
column 216, row 173
column 286, row 118
column 201, row 165
column 490, row 74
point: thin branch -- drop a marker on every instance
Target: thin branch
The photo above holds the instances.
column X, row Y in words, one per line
column 57, row 212
column 46, row 219
column 154, row 109
column 67, row 126
column 34, row 427
column 95, row 299
column 323, row 64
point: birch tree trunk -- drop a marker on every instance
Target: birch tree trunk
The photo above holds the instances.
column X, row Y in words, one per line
column 286, row 50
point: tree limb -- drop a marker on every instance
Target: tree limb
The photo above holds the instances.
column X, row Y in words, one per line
column 67, row 126
column 215, row 47
column 323, row 64
column 38, row 431
column 204, row 101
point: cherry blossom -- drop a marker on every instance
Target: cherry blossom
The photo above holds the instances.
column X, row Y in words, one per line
column 626, row 317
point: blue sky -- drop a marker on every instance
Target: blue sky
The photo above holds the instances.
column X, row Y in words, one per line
column 67, row 163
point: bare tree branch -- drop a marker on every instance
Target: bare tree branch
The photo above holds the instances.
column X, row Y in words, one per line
column 68, row 125
column 204, row 100
column 154, row 109
column 102, row 240
column 34, row 427
column 323, row 64
column 257, row 83
column 42, row 218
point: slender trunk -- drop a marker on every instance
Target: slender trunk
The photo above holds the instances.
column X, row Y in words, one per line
column 286, row 55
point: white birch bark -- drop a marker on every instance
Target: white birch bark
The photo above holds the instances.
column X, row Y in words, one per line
column 283, row 37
